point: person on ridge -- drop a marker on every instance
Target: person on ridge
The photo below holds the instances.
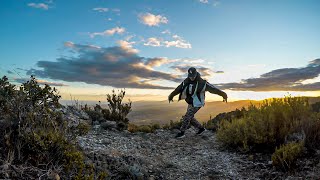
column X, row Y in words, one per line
column 193, row 89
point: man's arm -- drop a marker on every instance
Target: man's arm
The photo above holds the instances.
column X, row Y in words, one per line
column 214, row 90
column 175, row 92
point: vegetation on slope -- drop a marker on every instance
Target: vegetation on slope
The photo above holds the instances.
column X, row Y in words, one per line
column 271, row 127
column 35, row 139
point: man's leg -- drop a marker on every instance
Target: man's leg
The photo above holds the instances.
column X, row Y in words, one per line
column 188, row 117
column 194, row 122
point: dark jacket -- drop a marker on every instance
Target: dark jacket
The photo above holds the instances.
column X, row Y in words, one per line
column 201, row 83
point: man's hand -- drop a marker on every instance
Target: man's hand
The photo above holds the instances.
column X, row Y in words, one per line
column 170, row 98
column 225, row 98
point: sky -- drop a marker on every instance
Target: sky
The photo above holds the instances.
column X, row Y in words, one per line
column 250, row 49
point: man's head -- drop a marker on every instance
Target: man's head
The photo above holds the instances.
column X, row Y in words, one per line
column 192, row 73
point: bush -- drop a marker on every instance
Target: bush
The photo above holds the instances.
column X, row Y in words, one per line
column 286, row 156
column 266, row 126
column 311, row 129
column 174, row 124
column 213, row 124
column 116, row 111
column 316, row 107
column 34, row 135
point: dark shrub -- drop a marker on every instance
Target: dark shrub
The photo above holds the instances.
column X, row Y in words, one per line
column 33, row 134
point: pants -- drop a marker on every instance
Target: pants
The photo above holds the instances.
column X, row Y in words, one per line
column 189, row 118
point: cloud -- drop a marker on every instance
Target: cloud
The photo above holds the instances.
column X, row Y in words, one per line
column 166, row 32
column 204, row 1
column 204, row 71
column 101, row 9
column 216, row 3
column 10, row 72
column 127, row 45
column 116, row 10
column 177, row 42
column 152, row 20
column 285, row 79
column 109, row 32
column 159, row 61
column 111, row 66
column 213, row 2
column 39, row 6
column 153, row 41
column 41, row 82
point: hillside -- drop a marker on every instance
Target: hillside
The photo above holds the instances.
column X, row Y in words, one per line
column 162, row 112
column 160, row 156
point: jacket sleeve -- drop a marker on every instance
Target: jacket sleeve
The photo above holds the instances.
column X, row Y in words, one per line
column 214, row 90
column 176, row 91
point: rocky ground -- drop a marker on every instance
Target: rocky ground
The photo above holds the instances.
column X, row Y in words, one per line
column 160, row 156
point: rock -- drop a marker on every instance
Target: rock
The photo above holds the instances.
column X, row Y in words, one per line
column 108, row 125
column 126, row 155
column 295, row 137
column 74, row 116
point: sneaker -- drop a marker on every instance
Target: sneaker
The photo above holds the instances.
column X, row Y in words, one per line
column 180, row 135
column 201, row 131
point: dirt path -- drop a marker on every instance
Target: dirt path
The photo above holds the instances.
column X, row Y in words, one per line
column 160, row 156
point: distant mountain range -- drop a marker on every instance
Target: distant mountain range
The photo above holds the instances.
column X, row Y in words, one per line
column 162, row 112
column 146, row 112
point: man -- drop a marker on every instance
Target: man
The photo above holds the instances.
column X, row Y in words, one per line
column 193, row 89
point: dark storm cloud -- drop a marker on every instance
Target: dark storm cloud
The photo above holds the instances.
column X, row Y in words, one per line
column 113, row 66
column 285, row 79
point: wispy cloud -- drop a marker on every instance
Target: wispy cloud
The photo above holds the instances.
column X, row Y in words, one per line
column 166, row 32
column 153, row 41
column 39, row 81
column 112, row 66
column 109, row 32
column 39, row 6
column 285, row 79
column 204, row 1
column 152, row 19
column 10, row 72
column 101, row 9
column 177, row 42
column 213, row 2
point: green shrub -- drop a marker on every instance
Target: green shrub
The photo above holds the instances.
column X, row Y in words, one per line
column 266, row 126
column 286, row 156
column 312, row 131
column 82, row 129
column 316, row 107
column 213, row 124
column 34, row 134
column 173, row 124
column 116, row 111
